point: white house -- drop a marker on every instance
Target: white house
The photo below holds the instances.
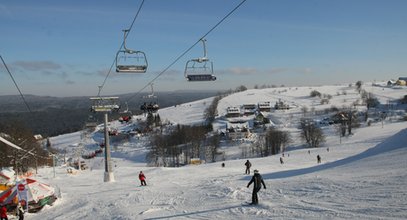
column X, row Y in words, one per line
column 232, row 112
column 264, row 106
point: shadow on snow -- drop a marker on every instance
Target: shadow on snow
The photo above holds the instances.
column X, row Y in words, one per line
column 395, row 142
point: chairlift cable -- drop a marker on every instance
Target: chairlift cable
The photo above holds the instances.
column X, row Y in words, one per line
column 187, row 50
column 15, row 83
column 121, row 46
column 10, row 144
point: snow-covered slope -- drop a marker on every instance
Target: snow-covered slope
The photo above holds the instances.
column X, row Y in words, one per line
column 362, row 177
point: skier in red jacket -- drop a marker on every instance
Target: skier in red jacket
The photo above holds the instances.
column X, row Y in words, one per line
column 3, row 212
column 142, row 178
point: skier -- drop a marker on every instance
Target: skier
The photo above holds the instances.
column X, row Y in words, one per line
column 281, row 160
column 257, row 180
column 223, row 164
column 3, row 212
column 318, row 159
column 142, row 179
column 248, row 165
column 20, row 212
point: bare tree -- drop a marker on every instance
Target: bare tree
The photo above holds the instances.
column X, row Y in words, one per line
column 352, row 121
column 341, row 130
column 184, row 139
column 315, row 93
column 304, row 110
column 372, row 101
column 213, row 147
column 241, row 88
column 157, row 151
column 275, row 141
column 359, row 86
column 311, row 133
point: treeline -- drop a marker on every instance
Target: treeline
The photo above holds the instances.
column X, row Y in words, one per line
column 52, row 116
column 188, row 141
column 211, row 112
column 50, row 122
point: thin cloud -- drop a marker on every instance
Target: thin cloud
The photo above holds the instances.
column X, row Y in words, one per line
column 244, row 70
column 171, row 75
column 239, row 71
column 64, row 9
column 85, row 73
column 60, row 74
column 276, row 70
column 104, row 72
column 37, row 65
column 64, row 75
column 69, row 82
column 305, row 70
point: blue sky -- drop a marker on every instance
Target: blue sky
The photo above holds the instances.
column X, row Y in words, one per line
column 65, row 48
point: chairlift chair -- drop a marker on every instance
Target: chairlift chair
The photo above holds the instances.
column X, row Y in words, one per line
column 199, row 69
column 125, row 115
column 130, row 61
column 152, row 105
column 151, row 95
column 91, row 122
column 125, row 111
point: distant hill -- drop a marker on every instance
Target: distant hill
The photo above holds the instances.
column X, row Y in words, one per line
column 55, row 115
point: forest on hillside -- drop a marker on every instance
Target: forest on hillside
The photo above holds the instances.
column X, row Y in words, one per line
column 51, row 116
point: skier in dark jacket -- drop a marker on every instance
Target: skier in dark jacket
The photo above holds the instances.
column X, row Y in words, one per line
column 20, row 212
column 257, row 180
column 248, row 165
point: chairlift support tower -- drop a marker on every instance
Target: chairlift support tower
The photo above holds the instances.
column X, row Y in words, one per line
column 106, row 105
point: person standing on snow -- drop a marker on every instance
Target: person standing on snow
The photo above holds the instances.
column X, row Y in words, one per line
column 257, row 179
column 20, row 212
column 3, row 212
column 142, row 179
column 248, row 165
